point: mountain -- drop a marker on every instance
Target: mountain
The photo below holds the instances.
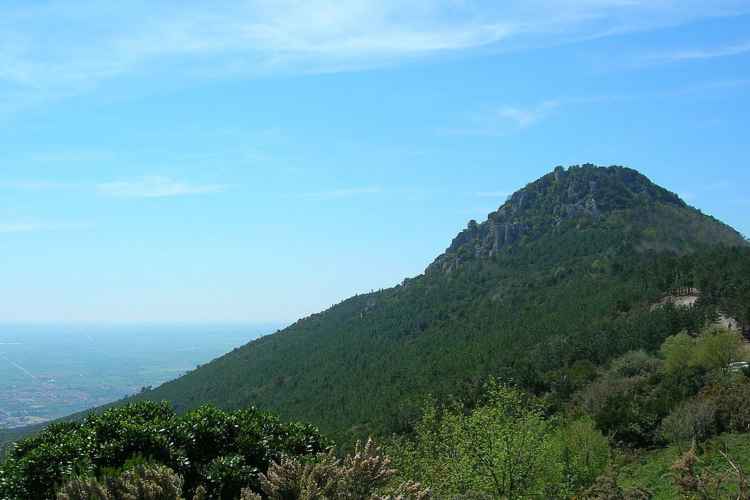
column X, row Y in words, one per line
column 558, row 280
column 621, row 199
column 561, row 273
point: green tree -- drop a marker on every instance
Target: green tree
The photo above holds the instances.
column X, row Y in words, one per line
column 583, row 453
column 503, row 448
column 677, row 352
column 716, row 348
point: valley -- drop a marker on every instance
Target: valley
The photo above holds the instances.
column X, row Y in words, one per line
column 50, row 371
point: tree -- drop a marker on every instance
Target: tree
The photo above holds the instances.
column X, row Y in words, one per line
column 712, row 350
column 503, row 448
column 677, row 352
column 716, row 348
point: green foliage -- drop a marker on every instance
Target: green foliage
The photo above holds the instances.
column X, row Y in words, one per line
column 716, row 348
column 713, row 349
column 583, row 453
column 732, row 399
column 625, row 401
column 365, row 474
column 607, row 487
column 514, row 317
column 144, row 482
column 677, row 352
column 504, row 448
column 640, row 400
column 497, row 449
column 225, row 451
column 691, row 422
column 655, row 469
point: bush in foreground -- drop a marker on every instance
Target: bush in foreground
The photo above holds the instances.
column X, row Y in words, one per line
column 365, row 475
column 505, row 448
column 225, row 451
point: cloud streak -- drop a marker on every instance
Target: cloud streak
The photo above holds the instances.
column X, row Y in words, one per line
column 495, row 121
column 32, row 226
column 105, row 41
column 701, row 53
column 525, row 117
column 155, row 187
column 500, row 121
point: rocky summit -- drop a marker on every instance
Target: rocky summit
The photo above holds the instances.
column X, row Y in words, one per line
column 578, row 197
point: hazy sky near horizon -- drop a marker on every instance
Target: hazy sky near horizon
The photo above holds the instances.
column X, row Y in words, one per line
column 261, row 160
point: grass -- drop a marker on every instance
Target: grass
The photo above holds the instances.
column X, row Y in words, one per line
column 651, row 469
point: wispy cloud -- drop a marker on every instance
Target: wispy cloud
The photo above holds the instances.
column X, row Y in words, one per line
column 31, row 226
column 699, row 53
column 18, row 227
column 525, row 117
column 155, row 187
column 500, row 121
column 103, row 41
column 34, row 185
column 337, row 194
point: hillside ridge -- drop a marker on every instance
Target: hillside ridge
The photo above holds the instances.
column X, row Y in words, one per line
column 561, row 200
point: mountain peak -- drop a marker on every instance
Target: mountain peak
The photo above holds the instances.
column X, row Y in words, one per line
column 583, row 196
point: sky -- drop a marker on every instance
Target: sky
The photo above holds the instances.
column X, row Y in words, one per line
column 261, row 160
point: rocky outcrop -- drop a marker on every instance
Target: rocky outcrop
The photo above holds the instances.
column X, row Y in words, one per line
column 578, row 197
column 512, row 222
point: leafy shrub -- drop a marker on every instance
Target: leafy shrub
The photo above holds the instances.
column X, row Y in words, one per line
column 227, row 476
column 207, row 446
column 583, row 453
column 732, row 399
column 625, row 402
column 503, row 448
column 145, row 482
column 364, row 475
column 635, row 364
column 498, row 449
column 607, row 487
column 713, row 349
column 692, row 421
column 694, row 479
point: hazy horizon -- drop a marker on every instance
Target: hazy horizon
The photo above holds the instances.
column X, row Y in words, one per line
column 52, row 370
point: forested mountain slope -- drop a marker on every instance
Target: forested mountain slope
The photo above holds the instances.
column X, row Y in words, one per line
column 563, row 273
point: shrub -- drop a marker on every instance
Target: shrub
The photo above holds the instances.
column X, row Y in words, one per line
column 717, row 347
column 363, row 475
column 692, row 421
column 677, row 352
column 583, row 454
column 207, row 446
column 145, row 482
column 503, row 448
column 635, row 364
column 732, row 400
column 694, row 479
column 628, row 409
column 713, row 349
column 606, row 487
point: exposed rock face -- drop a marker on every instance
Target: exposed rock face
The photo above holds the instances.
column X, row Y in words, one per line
column 580, row 192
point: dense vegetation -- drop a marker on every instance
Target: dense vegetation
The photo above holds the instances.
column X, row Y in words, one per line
column 221, row 451
column 537, row 337
column 579, row 293
column 508, row 444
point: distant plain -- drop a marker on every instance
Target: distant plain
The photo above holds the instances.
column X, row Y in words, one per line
column 52, row 370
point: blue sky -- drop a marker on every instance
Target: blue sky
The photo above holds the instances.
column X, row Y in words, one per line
column 262, row 160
